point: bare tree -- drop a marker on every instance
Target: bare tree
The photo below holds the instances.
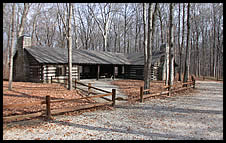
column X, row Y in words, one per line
column 67, row 26
column 171, row 57
column 69, row 45
column 179, row 46
column 146, row 80
column 24, row 16
column 34, row 24
column 187, row 57
column 148, row 41
column 11, row 49
column 105, row 12
column 182, row 43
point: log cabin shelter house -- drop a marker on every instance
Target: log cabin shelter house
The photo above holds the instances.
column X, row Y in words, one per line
column 39, row 64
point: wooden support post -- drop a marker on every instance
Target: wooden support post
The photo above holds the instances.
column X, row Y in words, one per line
column 48, row 112
column 193, row 81
column 64, row 81
column 141, row 94
column 47, row 73
column 169, row 89
column 78, row 72
column 51, row 79
column 113, row 96
column 42, row 76
column 98, row 72
column 89, row 88
column 113, row 72
column 75, row 84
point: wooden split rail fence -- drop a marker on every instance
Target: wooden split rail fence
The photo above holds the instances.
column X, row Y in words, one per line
column 48, row 112
column 169, row 90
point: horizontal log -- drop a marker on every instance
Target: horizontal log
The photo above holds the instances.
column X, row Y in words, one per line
column 35, row 69
column 145, row 90
column 167, row 86
column 49, row 68
column 100, row 89
column 73, row 100
column 23, row 104
column 106, row 99
column 35, row 66
column 59, row 111
column 180, row 89
column 93, row 87
column 190, row 82
column 155, row 94
column 20, row 117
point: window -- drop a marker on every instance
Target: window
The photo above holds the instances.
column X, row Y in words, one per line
column 60, row 71
column 139, row 72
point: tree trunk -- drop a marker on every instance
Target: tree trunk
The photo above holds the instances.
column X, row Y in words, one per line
column 179, row 47
column 149, row 47
column 105, row 42
column 11, row 49
column 136, row 32
column 75, row 30
column 182, row 44
column 214, row 42
column 146, row 80
column 187, row 57
column 24, row 16
column 69, row 42
column 125, row 25
column 171, row 57
column 161, row 26
column 149, row 38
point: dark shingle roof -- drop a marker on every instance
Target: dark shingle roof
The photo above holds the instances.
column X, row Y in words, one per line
column 138, row 58
column 60, row 55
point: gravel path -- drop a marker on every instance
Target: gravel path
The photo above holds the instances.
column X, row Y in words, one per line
column 195, row 116
column 106, row 85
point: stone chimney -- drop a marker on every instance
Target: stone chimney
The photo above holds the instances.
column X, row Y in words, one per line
column 21, row 69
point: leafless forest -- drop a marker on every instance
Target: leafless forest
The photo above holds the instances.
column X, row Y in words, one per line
column 120, row 28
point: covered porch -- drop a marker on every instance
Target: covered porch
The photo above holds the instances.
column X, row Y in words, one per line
column 94, row 71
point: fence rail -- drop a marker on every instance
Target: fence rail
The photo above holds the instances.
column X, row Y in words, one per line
column 48, row 112
column 170, row 89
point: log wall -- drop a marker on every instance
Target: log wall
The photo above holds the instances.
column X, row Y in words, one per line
column 137, row 72
column 50, row 71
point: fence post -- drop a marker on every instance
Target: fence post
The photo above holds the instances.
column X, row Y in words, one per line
column 51, row 79
column 169, row 89
column 141, row 94
column 194, row 84
column 89, row 88
column 66, row 82
column 193, row 81
column 113, row 96
column 48, row 112
column 75, row 83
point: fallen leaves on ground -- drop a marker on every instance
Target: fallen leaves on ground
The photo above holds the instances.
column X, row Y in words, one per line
column 27, row 92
